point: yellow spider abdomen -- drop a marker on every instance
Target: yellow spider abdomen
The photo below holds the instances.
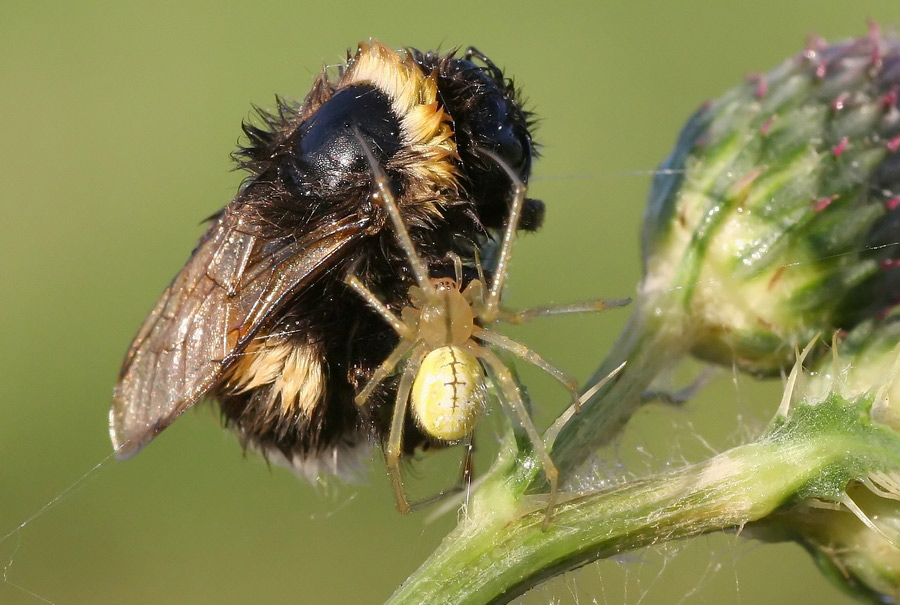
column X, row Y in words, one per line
column 448, row 393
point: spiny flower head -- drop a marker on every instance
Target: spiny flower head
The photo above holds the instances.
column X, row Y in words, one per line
column 777, row 215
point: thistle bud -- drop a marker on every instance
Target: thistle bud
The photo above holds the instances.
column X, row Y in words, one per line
column 775, row 218
column 855, row 537
column 777, row 215
column 860, row 560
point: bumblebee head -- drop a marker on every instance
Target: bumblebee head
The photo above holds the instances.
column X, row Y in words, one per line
column 423, row 116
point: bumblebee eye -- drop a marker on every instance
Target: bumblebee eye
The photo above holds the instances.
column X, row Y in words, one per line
column 326, row 150
column 498, row 130
column 512, row 150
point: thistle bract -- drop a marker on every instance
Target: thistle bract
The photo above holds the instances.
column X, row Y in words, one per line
column 859, row 551
column 776, row 215
column 867, row 368
column 862, row 561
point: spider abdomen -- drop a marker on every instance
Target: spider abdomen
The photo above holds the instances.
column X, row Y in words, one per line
column 448, row 393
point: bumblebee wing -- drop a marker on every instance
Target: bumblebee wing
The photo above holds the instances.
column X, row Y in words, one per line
column 231, row 284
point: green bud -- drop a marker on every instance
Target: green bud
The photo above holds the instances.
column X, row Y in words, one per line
column 855, row 539
column 862, row 561
column 775, row 217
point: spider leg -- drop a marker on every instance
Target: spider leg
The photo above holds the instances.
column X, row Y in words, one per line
column 551, row 433
column 395, row 438
column 457, row 266
column 401, row 328
column 385, row 196
column 516, row 409
column 468, row 467
column 465, row 480
column 589, row 306
column 457, row 495
column 478, row 265
column 523, row 352
column 384, row 370
column 512, row 222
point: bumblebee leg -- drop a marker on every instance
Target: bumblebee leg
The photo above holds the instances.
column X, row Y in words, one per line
column 496, row 73
column 590, row 306
column 395, row 438
column 384, row 370
column 523, row 352
column 516, row 409
column 682, row 395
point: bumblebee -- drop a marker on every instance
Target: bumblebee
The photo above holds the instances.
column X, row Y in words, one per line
column 261, row 318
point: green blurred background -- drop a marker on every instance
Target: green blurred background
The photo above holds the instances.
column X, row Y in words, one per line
column 118, row 122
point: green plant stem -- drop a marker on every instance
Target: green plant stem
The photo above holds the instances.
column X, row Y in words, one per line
column 653, row 341
column 498, row 553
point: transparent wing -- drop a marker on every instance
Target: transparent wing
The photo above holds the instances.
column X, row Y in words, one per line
column 231, row 284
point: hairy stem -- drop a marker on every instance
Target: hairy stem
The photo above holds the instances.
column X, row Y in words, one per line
column 652, row 342
column 498, row 553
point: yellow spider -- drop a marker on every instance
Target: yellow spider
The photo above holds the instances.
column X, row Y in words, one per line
column 447, row 346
